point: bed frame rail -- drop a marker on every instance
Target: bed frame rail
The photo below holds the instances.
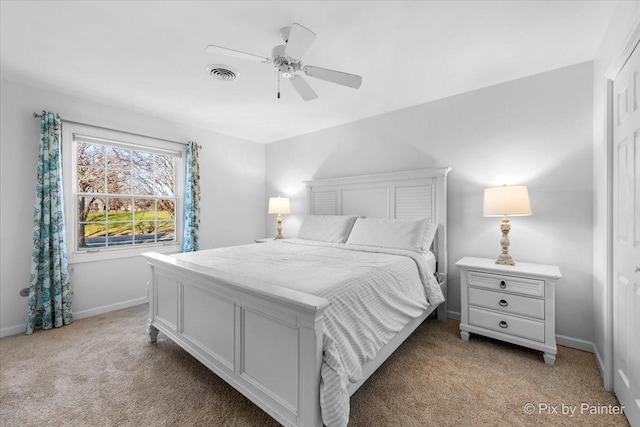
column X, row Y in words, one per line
column 266, row 343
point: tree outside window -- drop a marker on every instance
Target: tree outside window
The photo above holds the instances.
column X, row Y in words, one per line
column 125, row 196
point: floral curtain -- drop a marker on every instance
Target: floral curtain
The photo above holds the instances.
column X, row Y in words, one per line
column 49, row 289
column 192, row 200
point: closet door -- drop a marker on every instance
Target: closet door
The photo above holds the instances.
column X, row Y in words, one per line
column 626, row 237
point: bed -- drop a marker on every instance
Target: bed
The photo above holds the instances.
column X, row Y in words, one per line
column 268, row 337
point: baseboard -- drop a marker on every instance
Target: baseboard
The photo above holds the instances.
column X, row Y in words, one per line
column 107, row 308
column 576, row 343
column 453, row 315
column 19, row 329
column 13, row 330
column 600, row 363
column 591, row 348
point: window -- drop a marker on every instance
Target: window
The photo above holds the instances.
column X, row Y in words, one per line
column 122, row 193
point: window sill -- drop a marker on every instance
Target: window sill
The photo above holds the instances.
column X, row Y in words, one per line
column 106, row 254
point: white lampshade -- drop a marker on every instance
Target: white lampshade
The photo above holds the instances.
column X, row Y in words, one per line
column 279, row 205
column 506, row 200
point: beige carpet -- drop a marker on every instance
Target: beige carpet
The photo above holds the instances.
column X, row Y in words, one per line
column 102, row 371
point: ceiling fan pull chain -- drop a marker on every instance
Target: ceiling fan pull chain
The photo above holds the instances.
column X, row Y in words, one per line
column 278, row 85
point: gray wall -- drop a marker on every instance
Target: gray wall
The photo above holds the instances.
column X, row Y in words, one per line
column 535, row 131
column 232, row 181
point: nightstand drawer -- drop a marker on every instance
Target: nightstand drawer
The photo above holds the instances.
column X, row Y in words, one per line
column 508, row 303
column 499, row 282
column 525, row 328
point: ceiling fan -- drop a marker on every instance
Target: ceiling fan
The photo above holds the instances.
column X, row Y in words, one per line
column 286, row 58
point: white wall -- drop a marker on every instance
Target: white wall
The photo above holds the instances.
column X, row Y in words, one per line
column 535, row 131
column 232, row 183
column 623, row 22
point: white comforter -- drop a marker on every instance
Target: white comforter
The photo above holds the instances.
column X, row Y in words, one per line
column 374, row 293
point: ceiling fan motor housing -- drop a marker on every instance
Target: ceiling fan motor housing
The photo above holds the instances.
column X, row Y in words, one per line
column 286, row 66
column 278, row 51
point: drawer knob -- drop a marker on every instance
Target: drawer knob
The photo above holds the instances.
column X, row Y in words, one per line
column 503, row 324
column 503, row 284
column 503, row 303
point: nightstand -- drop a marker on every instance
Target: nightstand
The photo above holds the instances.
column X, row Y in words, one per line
column 515, row 304
column 264, row 240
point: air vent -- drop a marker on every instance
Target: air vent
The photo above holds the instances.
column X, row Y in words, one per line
column 223, row 72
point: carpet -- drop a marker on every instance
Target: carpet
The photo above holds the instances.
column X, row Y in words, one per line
column 102, row 371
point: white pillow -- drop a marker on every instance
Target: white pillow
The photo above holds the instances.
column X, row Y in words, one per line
column 389, row 233
column 326, row 228
column 429, row 235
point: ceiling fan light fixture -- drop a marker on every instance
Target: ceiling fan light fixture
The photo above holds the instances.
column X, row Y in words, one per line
column 286, row 71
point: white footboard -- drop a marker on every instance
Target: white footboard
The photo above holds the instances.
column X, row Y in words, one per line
column 264, row 341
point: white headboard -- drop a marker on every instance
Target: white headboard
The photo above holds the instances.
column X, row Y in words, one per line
column 410, row 194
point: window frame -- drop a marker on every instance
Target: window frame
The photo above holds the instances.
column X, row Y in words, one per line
column 124, row 140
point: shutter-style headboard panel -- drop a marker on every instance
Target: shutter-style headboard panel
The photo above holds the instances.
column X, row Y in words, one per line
column 325, row 202
column 415, row 202
column 405, row 195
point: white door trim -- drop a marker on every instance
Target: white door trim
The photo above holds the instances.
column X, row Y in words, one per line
column 612, row 72
column 619, row 60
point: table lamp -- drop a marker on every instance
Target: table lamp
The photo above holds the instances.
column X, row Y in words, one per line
column 279, row 205
column 502, row 201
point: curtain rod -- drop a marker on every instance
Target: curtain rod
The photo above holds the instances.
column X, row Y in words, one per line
column 37, row 116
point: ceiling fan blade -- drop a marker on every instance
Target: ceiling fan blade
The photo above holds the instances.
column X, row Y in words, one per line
column 344, row 79
column 303, row 88
column 300, row 38
column 219, row 50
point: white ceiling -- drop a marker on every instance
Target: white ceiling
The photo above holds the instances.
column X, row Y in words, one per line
column 148, row 56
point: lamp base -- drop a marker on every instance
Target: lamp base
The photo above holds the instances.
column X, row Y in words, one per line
column 504, row 258
column 279, row 236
